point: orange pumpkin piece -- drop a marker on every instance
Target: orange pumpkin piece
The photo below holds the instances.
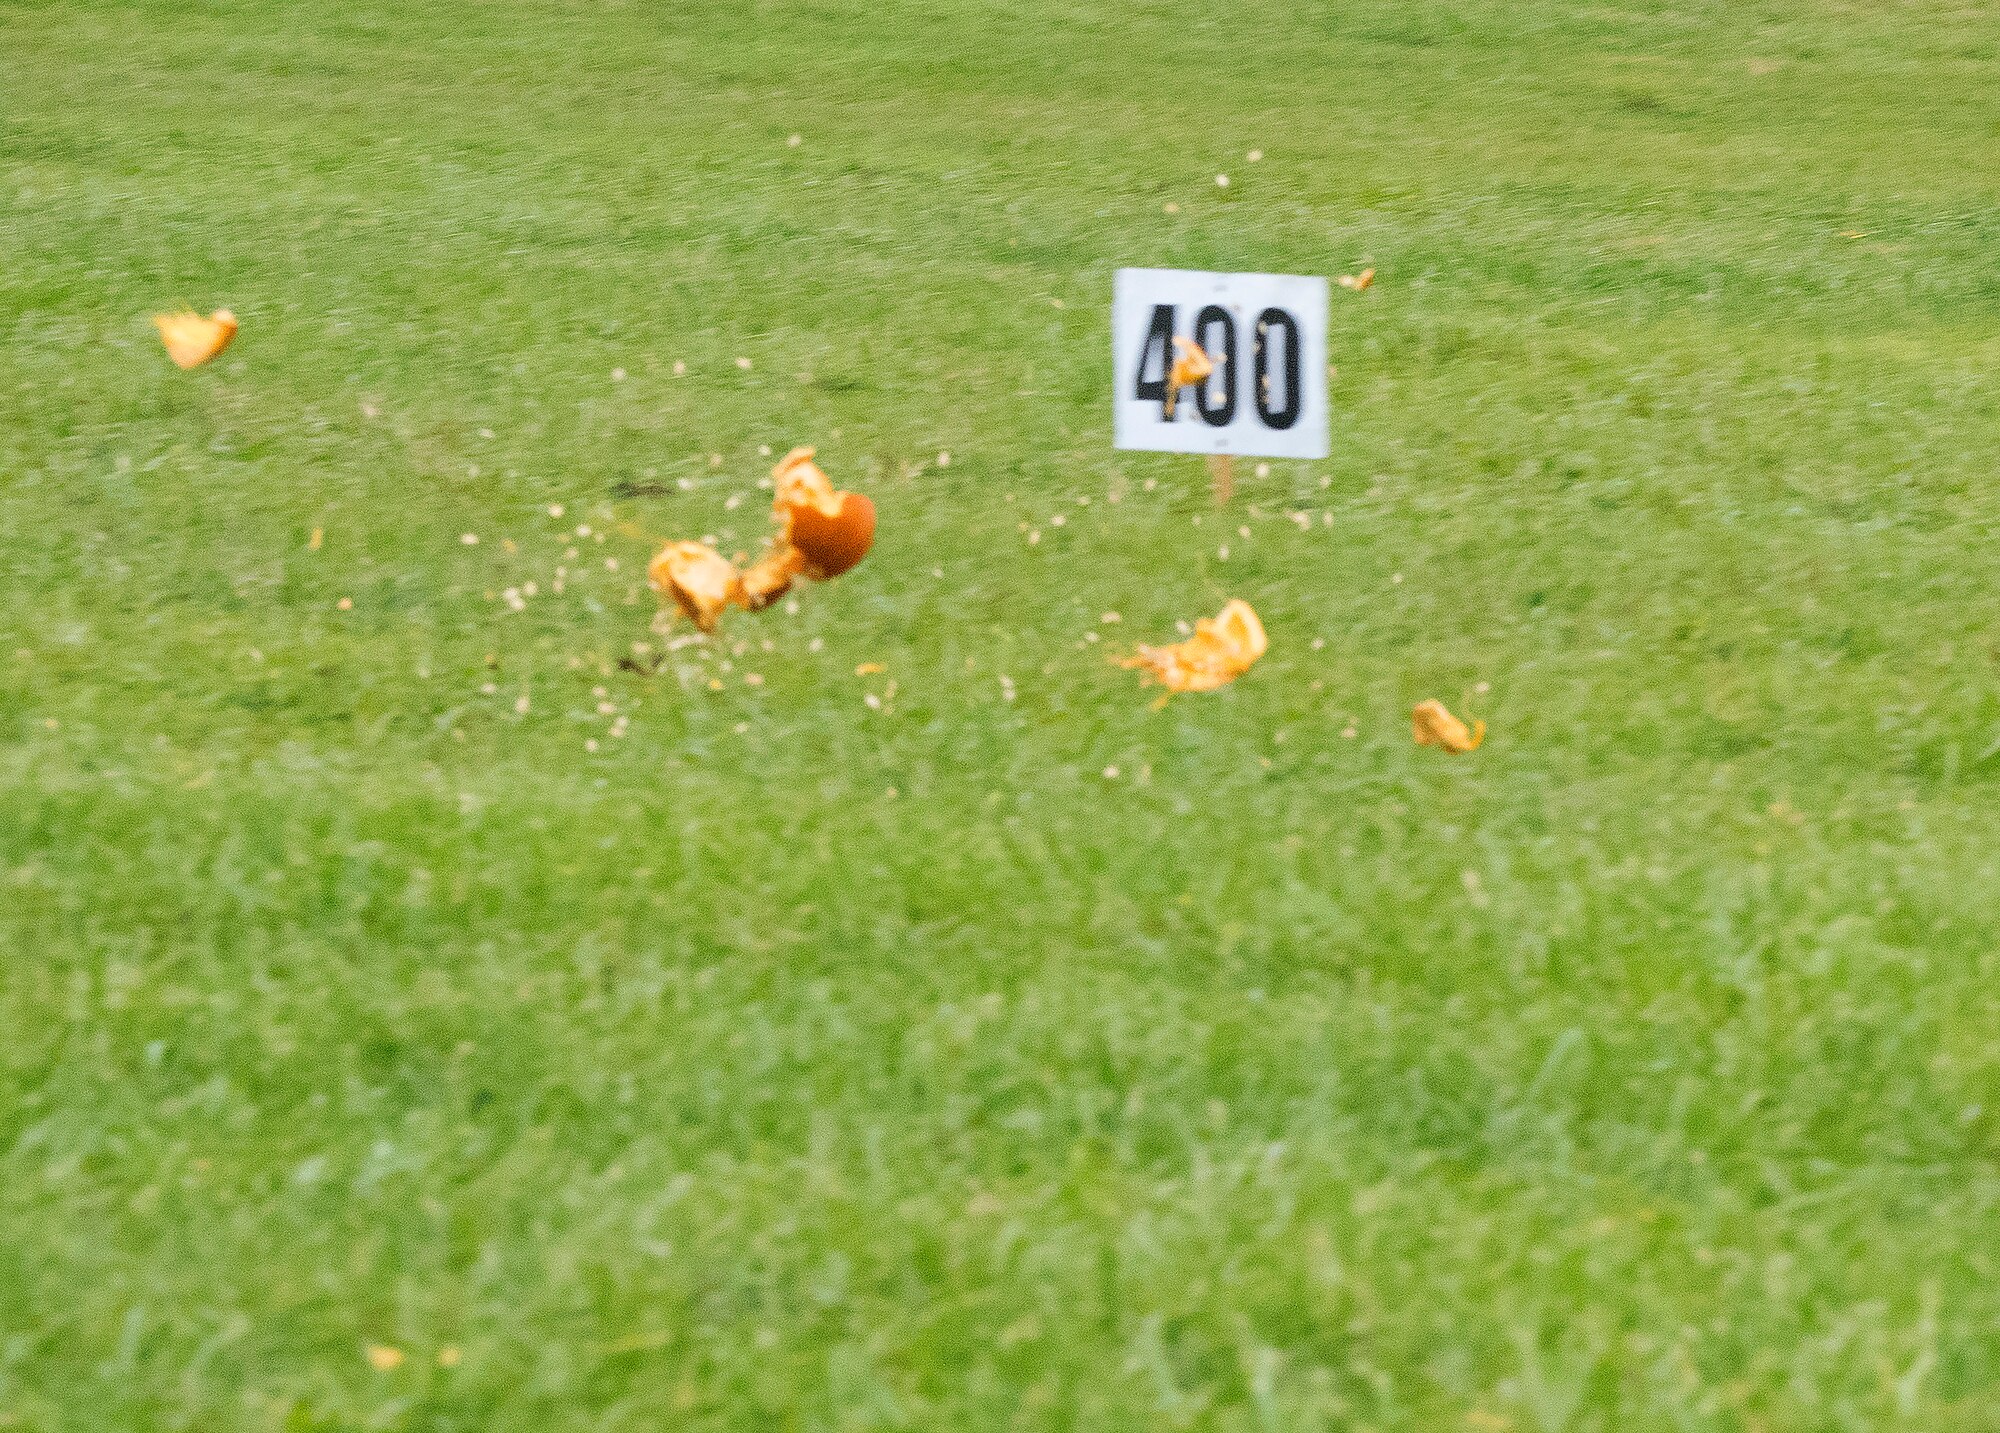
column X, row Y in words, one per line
column 192, row 340
column 1358, row 282
column 1222, row 649
column 770, row 576
column 1191, row 366
column 701, row 581
column 832, row 530
column 1432, row 725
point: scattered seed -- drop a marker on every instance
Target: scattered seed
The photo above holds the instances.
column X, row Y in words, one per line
column 555, row 509
column 744, row 364
column 470, row 539
column 345, row 604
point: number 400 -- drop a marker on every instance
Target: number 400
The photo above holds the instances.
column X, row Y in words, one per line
column 1215, row 331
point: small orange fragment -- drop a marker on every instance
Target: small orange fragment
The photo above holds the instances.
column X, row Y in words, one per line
column 833, row 529
column 1222, row 649
column 384, row 1359
column 1191, row 366
column 1359, row 281
column 192, row 340
column 770, row 576
column 1432, row 725
column 701, row 581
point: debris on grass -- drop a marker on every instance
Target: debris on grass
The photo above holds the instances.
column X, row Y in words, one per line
column 1222, row 649
column 1432, row 725
column 192, row 340
column 821, row 532
column 700, row 580
column 833, row 529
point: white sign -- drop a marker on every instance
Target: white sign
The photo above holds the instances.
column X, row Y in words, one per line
column 1265, row 335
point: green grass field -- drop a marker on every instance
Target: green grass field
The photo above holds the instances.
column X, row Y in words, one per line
column 824, row 1051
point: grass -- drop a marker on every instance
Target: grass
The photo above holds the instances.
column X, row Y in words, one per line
column 793, row 1062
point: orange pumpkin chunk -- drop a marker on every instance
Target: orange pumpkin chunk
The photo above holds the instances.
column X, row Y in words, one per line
column 770, row 576
column 832, row 530
column 1432, row 725
column 701, row 581
column 1191, row 367
column 1222, row 649
column 192, row 340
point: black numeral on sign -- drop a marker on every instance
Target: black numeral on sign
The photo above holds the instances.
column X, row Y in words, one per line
column 1158, row 349
column 1269, row 323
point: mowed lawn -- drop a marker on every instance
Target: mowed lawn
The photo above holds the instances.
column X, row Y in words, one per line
column 418, row 1013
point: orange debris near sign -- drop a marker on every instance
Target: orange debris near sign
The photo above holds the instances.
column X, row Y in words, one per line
column 1222, row 649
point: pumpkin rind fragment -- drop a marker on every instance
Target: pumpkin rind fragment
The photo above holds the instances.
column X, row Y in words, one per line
column 1432, row 725
column 1222, row 649
column 192, row 340
column 702, row 582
